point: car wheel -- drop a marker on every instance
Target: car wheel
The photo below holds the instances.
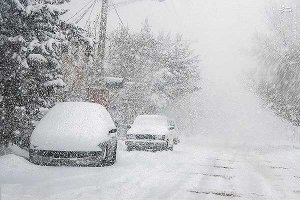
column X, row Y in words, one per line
column 32, row 160
column 176, row 141
column 129, row 148
column 112, row 160
column 170, row 148
column 30, row 157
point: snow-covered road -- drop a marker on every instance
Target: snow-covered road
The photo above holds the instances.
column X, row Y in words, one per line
column 195, row 170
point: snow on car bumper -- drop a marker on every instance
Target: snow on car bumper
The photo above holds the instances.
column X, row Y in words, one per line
column 146, row 144
column 68, row 158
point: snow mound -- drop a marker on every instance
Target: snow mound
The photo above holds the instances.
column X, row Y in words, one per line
column 13, row 163
column 19, row 151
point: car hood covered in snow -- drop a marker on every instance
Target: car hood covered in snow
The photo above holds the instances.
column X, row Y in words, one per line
column 73, row 126
column 151, row 130
column 149, row 124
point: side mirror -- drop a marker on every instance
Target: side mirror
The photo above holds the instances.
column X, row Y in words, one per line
column 128, row 126
column 112, row 131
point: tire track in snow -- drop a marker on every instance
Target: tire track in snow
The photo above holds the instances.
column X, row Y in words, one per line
column 214, row 183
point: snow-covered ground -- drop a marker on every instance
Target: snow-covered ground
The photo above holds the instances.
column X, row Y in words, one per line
column 197, row 169
column 237, row 149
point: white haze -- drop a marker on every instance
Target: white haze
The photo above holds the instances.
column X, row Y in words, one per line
column 219, row 29
column 222, row 32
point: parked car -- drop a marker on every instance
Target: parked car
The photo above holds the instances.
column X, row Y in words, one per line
column 74, row 133
column 153, row 132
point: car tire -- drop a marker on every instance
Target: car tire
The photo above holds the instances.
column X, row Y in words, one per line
column 129, row 148
column 170, row 148
column 176, row 141
column 112, row 160
column 32, row 160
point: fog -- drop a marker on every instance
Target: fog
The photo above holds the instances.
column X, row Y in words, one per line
column 220, row 31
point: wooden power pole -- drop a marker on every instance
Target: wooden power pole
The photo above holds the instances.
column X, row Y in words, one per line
column 96, row 91
column 102, row 34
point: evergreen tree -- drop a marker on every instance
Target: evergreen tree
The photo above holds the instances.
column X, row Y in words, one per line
column 158, row 70
column 32, row 39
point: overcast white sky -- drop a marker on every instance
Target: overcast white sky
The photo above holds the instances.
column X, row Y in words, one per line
column 219, row 29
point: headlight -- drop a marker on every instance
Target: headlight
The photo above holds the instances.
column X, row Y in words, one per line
column 130, row 136
column 160, row 137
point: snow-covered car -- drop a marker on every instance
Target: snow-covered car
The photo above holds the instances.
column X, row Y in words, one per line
column 153, row 132
column 74, row 133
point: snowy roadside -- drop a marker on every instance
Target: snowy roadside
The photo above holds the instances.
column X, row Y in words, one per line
column 194, row 170
column 16, row 150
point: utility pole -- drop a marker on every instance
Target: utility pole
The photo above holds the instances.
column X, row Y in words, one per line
column 102, row 35
column 96, row 91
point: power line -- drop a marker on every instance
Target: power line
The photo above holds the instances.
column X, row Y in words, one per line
column 80, row 10
column 88, row 20
column 85, row 12
column 123, row 3
column 118, row 14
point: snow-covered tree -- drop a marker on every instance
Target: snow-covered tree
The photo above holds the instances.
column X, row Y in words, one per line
column 32, row 40
column 157, row 70
column 279, row 53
